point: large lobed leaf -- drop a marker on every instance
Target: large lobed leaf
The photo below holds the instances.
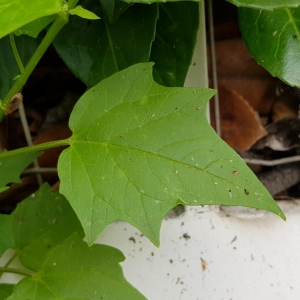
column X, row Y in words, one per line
column 12, row 166
column 72, row 270
column 273, row 39
column 265, row 4
column 17, row 13
column 139, row 149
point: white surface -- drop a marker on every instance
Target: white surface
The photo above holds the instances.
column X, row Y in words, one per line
column 246, row 257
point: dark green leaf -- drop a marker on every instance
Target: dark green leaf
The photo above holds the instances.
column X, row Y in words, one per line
column 156, row 1
column 73, row 270
column 41, row 222
column 34, row 28
column 273, row 39
column 94, row 50
column 8, row 66
column 5, row 290
column 12, row 166
column 114, row 9
column 265, row 4
column 139, row 149
column 17, row 13
column 176, row 35
column 6, row 235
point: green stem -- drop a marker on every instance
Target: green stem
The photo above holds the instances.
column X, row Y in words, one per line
column 10, row 261
column 15, row 51
column 36, row 148
column 17, row 271
column 60, row 21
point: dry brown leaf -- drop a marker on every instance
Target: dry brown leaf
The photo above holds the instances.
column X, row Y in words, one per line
column 240, row 125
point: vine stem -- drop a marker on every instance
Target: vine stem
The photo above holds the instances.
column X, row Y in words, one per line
column 15, row 51
column 9, row 262
column 17, row 271
column 35, row 148
column 61, row 20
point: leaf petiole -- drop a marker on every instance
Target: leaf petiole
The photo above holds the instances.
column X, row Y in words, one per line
column 27, row 273
column 36, row 148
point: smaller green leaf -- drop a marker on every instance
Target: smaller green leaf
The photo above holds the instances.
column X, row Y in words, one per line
column 273, row 39
column 12, row 166
column 83, row 13
column 40, row 222
column 33, row 28
column 17, row 13
column 72, row 270
column 266, row 5
column 6, row 234
column 6, row 290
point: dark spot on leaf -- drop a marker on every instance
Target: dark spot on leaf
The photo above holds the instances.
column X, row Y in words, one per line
column 198, row 107
column 229, row 191
column 121, row 135
column 203, row 264
column 235, row 172
column 186, row 236
column 132, row 239
column 194, row 64
column 246, row 192
column 233, row 240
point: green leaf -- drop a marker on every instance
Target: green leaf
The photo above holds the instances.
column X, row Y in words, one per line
column 265, row 4
column 17, row 13
column 6, row 235
column 33, row 28
column 40, row 222
column 12, row 166
column 156, row 1
column 273, row 39
column 95, row 50
column 5, row 290
column 138, row 149
column 8, row 66
column 83, row 13
column 73, row 270
column 113, row 9
column 175, row 40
